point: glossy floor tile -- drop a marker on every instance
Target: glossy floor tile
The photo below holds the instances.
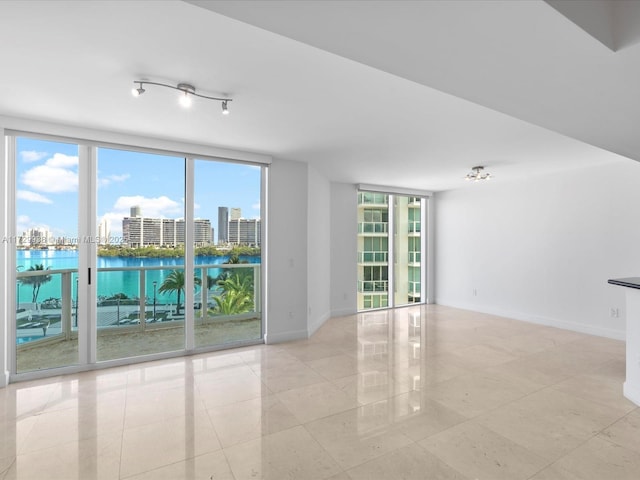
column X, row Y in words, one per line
column 411, row 393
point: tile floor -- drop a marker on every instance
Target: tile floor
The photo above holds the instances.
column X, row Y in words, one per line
column 415, row 393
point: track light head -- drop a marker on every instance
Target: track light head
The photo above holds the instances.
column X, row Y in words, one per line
column 136, row 92
column 225, row 109
column 185, row 100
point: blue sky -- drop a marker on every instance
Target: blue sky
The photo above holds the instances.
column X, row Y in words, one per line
column 47, row 187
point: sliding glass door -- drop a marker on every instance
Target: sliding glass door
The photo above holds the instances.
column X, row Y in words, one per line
column 391, row 269
column 46, row 281
column 407, row 245
column 124, row 253
column 141, row 279
column 227, row 299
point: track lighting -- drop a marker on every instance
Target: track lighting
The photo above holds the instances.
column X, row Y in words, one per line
column 476, row 174
column 136, row 92
column 187, row 91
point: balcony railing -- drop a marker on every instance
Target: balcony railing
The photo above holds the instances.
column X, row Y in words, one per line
column 373, row 257
column 373, row 227
column 128, row 309
column 373, row 285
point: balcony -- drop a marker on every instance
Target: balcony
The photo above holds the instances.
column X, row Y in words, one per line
column 131, row 324
column 370, row 257
column 371, row 286
column 372, row 228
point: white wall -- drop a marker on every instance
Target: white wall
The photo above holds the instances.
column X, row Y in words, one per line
column 344, row 248
column 319, row 247
column 287, row 252
column 542, row 249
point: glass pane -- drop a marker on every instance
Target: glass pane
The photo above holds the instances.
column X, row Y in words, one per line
column 373, row 251
column 140, row 281
column 407, row 243
column 46, row 254
column 227, row 300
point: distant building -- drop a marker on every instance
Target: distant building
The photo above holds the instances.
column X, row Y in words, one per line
column 243, row 231
column 136, row 211
column 35, row 237
column 163, row 232
column 104, row 232
column 236, row 214
column 223, row 225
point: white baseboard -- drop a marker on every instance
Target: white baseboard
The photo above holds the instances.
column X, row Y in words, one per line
column 631, row 392
column 540, row 320
column 271, row 338
column 4, row 379
column 317, row 323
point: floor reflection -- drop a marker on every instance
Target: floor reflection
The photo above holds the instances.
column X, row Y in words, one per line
column 384, row 394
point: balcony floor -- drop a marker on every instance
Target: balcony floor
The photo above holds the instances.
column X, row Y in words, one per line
column 131, row 343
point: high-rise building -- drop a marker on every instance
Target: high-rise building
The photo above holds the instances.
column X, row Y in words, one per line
column 223, row 225
column 136, row 211
column 104, row 232
column 243, row 231
column 374, row 255
column 164, row 232
column 202, row 232
column 236, row 214
column 373, row 250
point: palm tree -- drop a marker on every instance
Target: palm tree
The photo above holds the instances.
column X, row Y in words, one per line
column 174, row 282
column 233, row 302
column 36, row 281
column 237, row 296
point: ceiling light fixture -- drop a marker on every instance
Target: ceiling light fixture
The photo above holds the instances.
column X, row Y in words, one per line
column 187, row 92
column 476, row 174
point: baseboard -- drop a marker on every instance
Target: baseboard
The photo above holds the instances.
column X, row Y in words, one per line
column 271, row 338
column 342, row 312
column 631, row 393
column 538, row 319
column 4, row 379
column 317, row 323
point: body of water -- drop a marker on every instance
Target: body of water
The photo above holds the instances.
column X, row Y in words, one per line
column 110, row 283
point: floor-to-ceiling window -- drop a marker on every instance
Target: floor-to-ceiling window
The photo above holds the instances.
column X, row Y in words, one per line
column 127, row 252
column 227, row 300
column 391, row 270
column 46, row 281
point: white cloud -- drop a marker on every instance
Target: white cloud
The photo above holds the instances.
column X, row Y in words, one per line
column 119, row 178
column 256, row 206
column 45, row 178
column 61, row 160
column 159, row 207
column 29, row 156
column 104, row 181
column 32, row 197
column 23, row 222
column 54, row 176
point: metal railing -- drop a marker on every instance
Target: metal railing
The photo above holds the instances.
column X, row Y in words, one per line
column 142, row 307
column 373, row 257
column 373, row 285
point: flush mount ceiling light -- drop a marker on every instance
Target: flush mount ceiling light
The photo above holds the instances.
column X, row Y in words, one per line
column 187, row 91
column 476, row 174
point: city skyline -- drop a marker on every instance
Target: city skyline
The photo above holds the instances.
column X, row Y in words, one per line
column 47, row 187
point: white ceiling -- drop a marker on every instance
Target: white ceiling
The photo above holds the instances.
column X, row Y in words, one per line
column 408, row 94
